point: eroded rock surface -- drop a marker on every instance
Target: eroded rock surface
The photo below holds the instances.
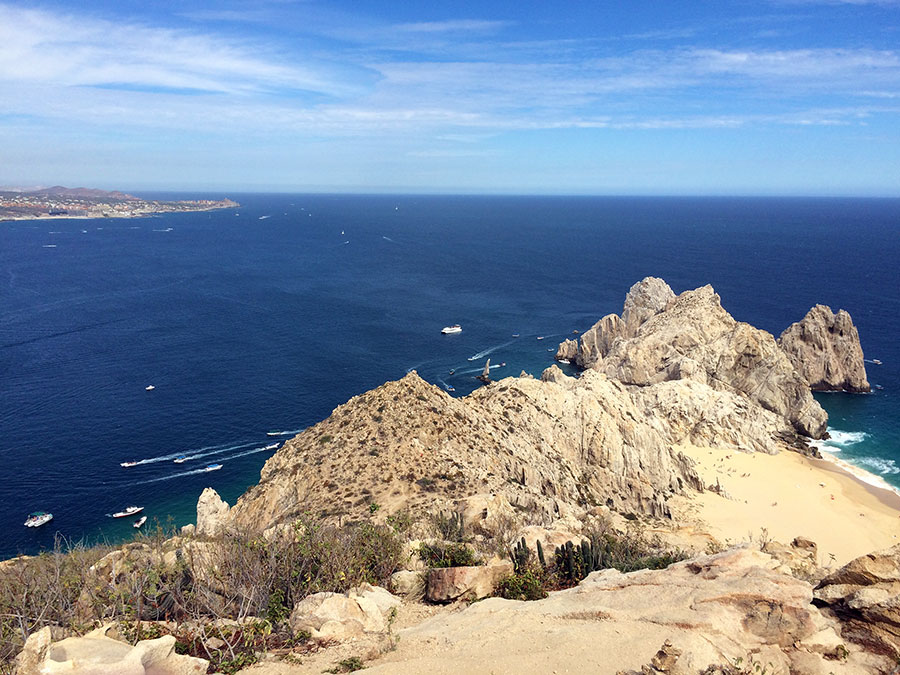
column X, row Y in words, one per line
column 865, row 595
column 824, row 347
column 212, row 513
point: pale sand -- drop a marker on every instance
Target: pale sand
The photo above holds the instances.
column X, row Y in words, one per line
column 790, row 495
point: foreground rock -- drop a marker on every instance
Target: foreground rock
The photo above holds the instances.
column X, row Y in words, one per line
column 865, row 595
column 212, row 513
column 734, row 607
column 824, row 347
column 340, row 616
column 97, row 654
column 447, row 584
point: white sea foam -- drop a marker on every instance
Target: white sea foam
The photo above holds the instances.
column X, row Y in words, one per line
column 879, row 464
column 845, row 438
column 197, row 452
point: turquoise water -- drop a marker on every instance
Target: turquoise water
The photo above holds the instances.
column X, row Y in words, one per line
column 246, row 324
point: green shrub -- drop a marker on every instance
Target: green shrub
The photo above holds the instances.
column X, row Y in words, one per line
column 526, row 585
column 448, row 555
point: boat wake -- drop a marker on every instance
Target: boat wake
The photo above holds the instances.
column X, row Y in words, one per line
column 197, row 453
column 491, row 350
column 203, row 469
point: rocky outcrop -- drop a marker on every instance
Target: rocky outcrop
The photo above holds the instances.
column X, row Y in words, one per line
column 408, row 445
column 446, row 584
column 97, row 654
column 645, row 299
column 824, row 348
column 212, row 513
column 865, row 595
column 714, row 611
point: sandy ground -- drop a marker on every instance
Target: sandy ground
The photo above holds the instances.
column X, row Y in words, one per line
column 789, row 495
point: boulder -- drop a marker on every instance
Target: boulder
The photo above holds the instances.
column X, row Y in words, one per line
column 340, row 616
column 865, row 595
column 97, row 654
column 212, row 513
column 446, row 584
column 824, row 348
column 409, row 584
column 29, row 660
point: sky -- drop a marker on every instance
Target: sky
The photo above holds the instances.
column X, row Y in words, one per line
column 729, row 97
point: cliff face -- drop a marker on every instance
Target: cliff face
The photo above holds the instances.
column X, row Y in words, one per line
column 824, row 347
column 544, row 445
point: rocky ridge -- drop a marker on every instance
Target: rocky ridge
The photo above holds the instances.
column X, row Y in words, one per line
column 824, row 348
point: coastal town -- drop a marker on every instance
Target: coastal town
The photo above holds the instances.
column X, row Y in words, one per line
column 61, row 202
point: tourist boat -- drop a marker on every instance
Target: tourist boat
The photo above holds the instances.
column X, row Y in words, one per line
column 127, row 463
column 566, row 361
column 38, row 518
column 876, row 362
column 129, row 511
column 274, row 433
column 448, row 330
column 140, row 521
column 213, row 467
column 149, row 387
column 271, row 446
column 181, row 459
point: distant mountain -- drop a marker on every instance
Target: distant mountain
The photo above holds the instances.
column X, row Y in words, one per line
column 85, row 193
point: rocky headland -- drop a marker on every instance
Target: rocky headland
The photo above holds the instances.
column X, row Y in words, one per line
column 63, row 202
column 681, row 429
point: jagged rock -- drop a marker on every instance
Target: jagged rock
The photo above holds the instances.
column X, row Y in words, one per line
column 97, row 654
column 824, row 348
column 800, row 557
column 446, row 584
column 644, row 300
column 212, row 513
column 568, row 350
column 694, row 338
column 865, row 595
column 665, row 659
column 339, row 616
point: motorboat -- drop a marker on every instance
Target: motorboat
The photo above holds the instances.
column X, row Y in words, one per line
column 271, row 446
column 140, row 521
column 38, row 518
column 181, row 459
column 274, row 433
column 126, row 464
column 213, row 467
column 128, row 511
column 149, row 387
column 449, row 330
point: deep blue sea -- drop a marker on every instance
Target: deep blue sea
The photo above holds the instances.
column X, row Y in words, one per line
column 268, row 316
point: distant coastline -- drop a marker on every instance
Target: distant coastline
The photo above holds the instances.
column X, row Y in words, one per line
column 61, row 202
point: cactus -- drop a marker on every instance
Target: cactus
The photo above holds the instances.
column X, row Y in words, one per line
column 540, row 552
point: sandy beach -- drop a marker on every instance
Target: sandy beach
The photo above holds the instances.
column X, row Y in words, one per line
column 789, row 495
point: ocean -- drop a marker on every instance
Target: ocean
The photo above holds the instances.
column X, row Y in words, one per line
column 266, row 317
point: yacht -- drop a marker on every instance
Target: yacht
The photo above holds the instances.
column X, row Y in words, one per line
column 127, row 464
column 449, row 330
column 140, row 521
column 213, row 467
column 129, row 511
column 149, row 387
column 38, row 518
column 181, row 459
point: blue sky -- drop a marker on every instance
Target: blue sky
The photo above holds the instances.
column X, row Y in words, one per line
column 727, row 97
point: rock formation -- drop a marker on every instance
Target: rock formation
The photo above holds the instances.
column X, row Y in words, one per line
column 737, row 607
column 661, row 338
column 865, row 595
column 824, row 347
column 212, row 513
column 543, row 445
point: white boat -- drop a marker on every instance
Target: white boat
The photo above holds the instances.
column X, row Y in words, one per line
column 876, row 362
column 129, row 511
column 149, row 387
column 274, row 433
column 181, row 459
column 271, row 446
column 566, row 361
column 213, row 467
column 449, row 330
column 127, row 463
column 140, row 521
column 38, row 518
